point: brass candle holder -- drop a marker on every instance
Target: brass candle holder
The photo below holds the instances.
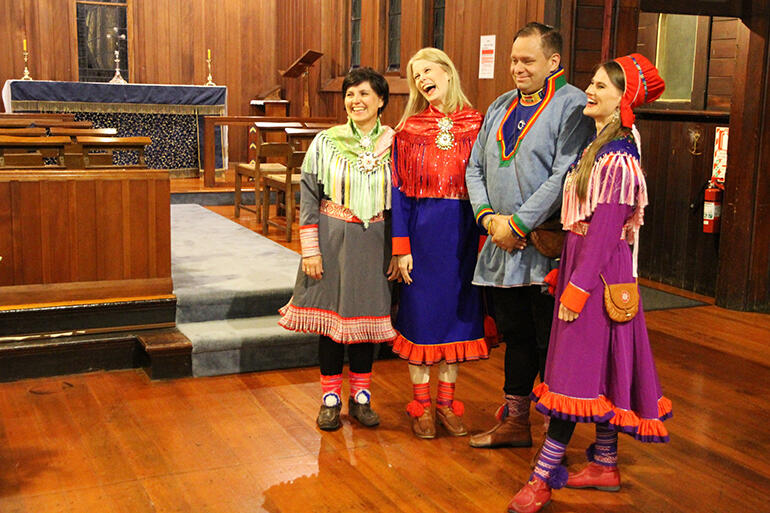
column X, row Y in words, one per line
column 26, row 69
column 209, row 81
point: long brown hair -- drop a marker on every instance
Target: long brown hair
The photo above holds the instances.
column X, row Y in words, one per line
column 455, row 98
column 613, row 130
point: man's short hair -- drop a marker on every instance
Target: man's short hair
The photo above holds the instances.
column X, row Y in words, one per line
column 550, row 38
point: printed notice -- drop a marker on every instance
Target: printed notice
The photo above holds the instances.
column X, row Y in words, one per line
column 720, row 154
column 487, row 57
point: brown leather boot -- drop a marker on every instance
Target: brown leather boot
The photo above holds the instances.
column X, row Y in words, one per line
column 451, row 421
column 424, row 426
column 510, row 432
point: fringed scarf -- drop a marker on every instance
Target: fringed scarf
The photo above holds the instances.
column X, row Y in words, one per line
column 353, row 175
column 616, row 177
column 421, row 168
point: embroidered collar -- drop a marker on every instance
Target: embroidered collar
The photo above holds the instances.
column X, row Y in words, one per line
column 532, row 99
column 553, row 83
column 351, row 142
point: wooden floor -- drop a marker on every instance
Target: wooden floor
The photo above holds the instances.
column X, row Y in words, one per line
column 118, row 442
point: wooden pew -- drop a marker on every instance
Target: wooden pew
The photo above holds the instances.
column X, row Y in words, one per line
column 46, row 123
column 93, row 132
column 24, row 132
column 68, row 116
column 27, row 152
column 108, row 144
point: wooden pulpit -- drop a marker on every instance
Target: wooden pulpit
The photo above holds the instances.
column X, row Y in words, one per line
column 299, row 68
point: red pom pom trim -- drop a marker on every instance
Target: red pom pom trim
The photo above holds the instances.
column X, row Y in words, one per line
column 458, row 408
column 415, row 409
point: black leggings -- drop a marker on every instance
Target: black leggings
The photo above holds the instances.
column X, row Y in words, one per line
column 331, row 355
column 560, row 430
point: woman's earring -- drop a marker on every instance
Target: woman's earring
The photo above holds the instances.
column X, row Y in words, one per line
column 615, row 115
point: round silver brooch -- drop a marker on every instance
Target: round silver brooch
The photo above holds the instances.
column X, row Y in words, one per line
column 445, row 139
column 367, row 162
column 365, row 142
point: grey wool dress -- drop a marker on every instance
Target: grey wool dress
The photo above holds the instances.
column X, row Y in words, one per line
column 344, row 217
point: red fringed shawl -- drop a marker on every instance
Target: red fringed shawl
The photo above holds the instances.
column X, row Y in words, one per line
column 423, row 170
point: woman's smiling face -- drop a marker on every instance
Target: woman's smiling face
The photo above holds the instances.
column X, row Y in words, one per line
column 362, row 103
column 431, row 80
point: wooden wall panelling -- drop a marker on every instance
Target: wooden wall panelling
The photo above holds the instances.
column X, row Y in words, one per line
column 744, row 271
column 723, row 47
column 674, row 250
column 587, row 50
column 84, row 233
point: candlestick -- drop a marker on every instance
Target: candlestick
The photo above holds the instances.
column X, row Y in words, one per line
column 210, row 81
column 117, row 79
column 26, row 69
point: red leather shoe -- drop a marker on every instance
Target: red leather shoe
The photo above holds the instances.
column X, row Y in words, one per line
column 595, row 476
column 534, row 496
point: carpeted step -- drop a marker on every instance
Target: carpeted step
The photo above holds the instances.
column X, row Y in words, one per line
column 223, row 270
column 247, row 345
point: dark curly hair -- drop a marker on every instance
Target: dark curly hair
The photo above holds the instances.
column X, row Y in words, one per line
column 376, row 80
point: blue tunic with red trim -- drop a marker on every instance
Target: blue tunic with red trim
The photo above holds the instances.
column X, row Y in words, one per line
column 440, row 314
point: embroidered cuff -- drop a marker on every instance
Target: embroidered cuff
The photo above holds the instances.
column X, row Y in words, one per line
column 517, row 226
column 401, row 246
column 482, row 212
column 308, row 240
column 574, row 297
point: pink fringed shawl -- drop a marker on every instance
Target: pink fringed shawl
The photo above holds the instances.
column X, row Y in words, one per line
column 616, row 177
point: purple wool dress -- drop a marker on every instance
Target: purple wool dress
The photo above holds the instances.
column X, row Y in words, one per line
column 599, row 370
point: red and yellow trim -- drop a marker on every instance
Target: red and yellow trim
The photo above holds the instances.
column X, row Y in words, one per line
column 550, row 90
column 344, row 330
column 452, row 352
column 308, row 240
column 574, row 297
column 482, row 212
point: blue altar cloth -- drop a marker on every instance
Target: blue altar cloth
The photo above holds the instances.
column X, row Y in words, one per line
column 171, row 115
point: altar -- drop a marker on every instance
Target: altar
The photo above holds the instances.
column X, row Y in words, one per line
column 171, row 115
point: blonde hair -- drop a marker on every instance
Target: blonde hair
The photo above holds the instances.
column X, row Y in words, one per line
column 613, row 130
column 455, row 98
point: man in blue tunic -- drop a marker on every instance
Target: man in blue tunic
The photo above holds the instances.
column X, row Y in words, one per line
column 529, row 138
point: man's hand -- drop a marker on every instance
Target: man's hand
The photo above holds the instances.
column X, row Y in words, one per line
column 313, row 266
column 502, row 235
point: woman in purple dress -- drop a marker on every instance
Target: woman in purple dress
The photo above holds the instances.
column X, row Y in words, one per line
column 599, row 370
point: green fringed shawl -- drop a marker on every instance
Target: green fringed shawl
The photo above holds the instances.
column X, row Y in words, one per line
column 333, row 157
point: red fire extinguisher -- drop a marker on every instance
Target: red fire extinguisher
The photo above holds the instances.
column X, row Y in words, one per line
column 712, row 208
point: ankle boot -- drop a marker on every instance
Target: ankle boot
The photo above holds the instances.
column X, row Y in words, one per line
column 363, row 413
column 596, row 476
column 451, row 420
column 512, row 429
column 423, row 423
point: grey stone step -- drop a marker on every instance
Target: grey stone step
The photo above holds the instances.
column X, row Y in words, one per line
column 247, row 345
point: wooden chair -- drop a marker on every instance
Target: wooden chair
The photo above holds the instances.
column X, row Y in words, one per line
column 268, row 156
column 109, row 144
column 27, row 152
column 288, row 183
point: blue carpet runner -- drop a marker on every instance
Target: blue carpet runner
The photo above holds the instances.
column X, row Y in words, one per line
column 229, row 283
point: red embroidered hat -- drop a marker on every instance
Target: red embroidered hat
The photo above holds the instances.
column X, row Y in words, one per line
column 643, row 85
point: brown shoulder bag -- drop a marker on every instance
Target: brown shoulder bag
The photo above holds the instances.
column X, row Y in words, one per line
column 621, row 300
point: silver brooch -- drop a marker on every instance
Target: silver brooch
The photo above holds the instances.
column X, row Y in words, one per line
column 445, row 139
column 365, row 142
column 367, row 162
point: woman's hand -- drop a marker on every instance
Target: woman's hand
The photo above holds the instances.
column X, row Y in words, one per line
column 405, row 266
column 313, row 266
column 567, row 315
column 393, row 273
